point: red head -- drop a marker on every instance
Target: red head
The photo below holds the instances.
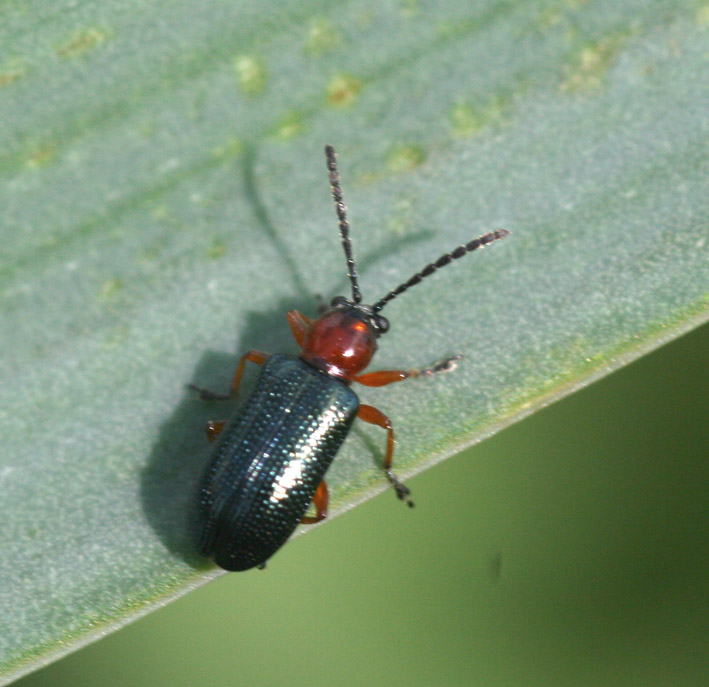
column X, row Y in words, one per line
column 343, row 340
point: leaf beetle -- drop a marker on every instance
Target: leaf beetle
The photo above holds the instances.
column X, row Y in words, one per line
column 271, row 457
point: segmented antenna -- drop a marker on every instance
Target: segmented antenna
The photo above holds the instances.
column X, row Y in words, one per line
column 341, row 210
column 441, row 262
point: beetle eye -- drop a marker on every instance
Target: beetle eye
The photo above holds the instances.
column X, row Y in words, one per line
column 339, row 301
column 382, row 324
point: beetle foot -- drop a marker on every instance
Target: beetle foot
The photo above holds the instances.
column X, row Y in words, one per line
column 403, row 493
column 446, row 365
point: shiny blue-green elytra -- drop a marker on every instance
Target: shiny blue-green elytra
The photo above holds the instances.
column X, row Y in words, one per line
column 270, row 459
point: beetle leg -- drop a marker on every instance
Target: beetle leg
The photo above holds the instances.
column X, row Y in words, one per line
column 321, row 499
column 384, row 377
column 214, row 429
column 299, row 325
column 254, row 356
column 375, row 417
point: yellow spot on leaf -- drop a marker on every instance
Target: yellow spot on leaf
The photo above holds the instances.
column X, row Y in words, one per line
column 548, row 17
column 409, row 8
column 83, row 42
column 402, row 219
column 703, row 15
column 343, row 90
column 591, row 64
column 217, row 249
column 42, row 155
column 251, row 74
column 111, row 288
column 468, row 119
column 405, row 158
column 11, row 73
column 323, row 38
column 290, row 126
column 160, row 212
column 233, row 147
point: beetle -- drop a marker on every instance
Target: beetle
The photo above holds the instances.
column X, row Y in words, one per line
column 270, row 459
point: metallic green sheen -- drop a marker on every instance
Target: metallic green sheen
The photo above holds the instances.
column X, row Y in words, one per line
column 270, row 459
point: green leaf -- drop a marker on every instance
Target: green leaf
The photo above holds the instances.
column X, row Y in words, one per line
column 165, row 202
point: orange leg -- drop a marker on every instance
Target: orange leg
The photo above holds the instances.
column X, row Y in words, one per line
column 299, row 325
column 375, row 417
column 253, row 356
column 214, row 429
column 321, row 499
column 384, row 377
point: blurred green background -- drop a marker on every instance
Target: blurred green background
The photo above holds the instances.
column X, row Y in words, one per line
column 571, row 549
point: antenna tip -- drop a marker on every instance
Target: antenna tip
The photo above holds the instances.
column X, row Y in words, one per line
column 329, row 150
column 501, row 233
